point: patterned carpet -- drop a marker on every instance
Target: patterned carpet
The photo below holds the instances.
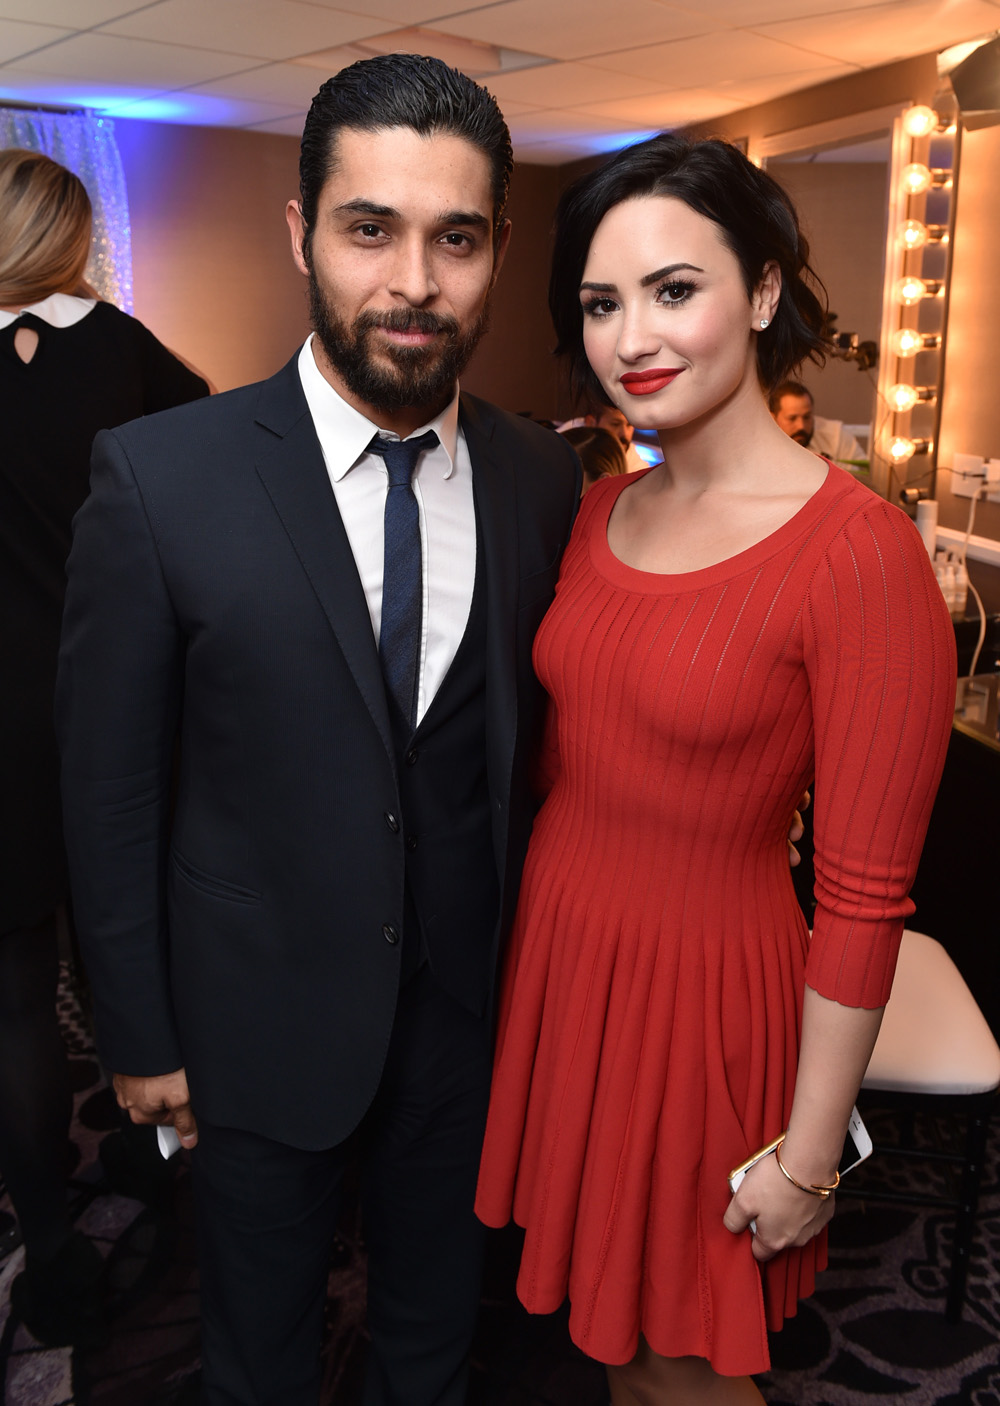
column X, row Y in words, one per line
column 874, row 1332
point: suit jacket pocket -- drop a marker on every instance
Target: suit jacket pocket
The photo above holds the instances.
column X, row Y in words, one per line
column 208, row 883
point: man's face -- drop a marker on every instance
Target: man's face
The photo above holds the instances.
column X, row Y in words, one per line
column 794, row 415
column 613, row 419
column 400, row 264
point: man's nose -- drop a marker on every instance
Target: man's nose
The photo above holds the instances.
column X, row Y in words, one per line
column 412, row 276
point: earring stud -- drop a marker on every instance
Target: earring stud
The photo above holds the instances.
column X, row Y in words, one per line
column 763, row 323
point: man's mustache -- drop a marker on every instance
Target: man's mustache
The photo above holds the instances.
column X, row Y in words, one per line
column 405, row 320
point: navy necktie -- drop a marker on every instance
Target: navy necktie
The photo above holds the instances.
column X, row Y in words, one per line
column 402, row 593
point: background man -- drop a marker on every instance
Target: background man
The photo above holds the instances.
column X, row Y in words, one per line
column 610, row 418
column 791, row 405
column 298, row 946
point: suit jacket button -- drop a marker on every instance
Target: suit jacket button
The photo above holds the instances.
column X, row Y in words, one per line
column 411, row 843
column 390, row 934
column 411, row 756
column 392, row 822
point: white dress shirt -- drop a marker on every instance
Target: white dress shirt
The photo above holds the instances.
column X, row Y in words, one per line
column 442, row 484
column 58, row 310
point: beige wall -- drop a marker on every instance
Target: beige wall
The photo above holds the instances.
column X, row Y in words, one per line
column 212, row 273
column 215, row 281
column 514, row 366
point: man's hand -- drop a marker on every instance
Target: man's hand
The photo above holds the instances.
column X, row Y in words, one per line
column 162, row 1098
column 797, row 831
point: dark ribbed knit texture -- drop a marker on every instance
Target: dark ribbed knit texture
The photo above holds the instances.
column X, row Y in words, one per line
column 652, row 997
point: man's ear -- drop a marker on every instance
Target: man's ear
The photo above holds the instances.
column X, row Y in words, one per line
column 297, row 229
column 500, row 243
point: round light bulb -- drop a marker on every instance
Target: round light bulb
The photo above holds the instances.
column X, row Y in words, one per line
column 920, row 121
column 909, row 290
column 906, row 342
column 901, row 449
column 903, row 398
column 916, row 178
column 912, row 234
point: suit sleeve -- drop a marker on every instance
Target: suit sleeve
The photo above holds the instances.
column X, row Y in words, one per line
column 117, row 708
column 880, row 654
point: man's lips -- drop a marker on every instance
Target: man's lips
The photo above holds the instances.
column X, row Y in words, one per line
column 412, row 338
column 648, row 382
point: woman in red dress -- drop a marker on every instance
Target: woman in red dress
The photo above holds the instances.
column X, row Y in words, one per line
column 729, row 626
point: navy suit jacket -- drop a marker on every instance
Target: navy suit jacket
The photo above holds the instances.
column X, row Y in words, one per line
column 231, row 893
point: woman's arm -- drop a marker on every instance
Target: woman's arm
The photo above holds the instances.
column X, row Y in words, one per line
column 878, row 649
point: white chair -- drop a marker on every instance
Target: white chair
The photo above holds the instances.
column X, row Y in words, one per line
column 936, row 1054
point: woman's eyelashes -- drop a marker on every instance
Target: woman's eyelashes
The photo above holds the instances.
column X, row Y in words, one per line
column 598, row 306
column 672, row 293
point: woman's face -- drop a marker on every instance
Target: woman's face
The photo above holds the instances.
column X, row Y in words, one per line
column 667, row 324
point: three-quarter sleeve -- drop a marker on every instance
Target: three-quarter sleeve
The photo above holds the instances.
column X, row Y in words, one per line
column 880, row 656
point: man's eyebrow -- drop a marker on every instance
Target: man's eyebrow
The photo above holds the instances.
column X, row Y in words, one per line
column 369, row 207
column 474, row 218
column 466, row 218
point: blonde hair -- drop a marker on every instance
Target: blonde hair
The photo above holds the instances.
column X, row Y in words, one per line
column 45, row 223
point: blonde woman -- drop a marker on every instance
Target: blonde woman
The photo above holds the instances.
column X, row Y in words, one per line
column 70, row 365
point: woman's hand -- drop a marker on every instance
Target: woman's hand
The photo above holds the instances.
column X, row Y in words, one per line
column 784, row 1214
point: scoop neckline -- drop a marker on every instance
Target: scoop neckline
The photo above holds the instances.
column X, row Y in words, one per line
column 630, row 577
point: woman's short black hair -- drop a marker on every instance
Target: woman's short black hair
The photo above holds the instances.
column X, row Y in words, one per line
column 402, row 90
column 756, row 219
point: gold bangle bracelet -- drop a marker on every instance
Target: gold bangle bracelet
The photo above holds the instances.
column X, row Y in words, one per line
column 821, row 1191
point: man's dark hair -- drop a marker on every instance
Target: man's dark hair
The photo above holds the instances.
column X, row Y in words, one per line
column 776, row 396
column 756, row 220
column 401, row 90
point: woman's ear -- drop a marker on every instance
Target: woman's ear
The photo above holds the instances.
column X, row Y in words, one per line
column 764, row 304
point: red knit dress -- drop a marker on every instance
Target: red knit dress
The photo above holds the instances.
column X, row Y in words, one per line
column 652, row 994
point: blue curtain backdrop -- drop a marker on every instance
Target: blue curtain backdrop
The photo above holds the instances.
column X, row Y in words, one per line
column 86, row 144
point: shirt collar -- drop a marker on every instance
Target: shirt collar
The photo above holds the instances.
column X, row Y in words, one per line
column 58, row 310
column 345, row 434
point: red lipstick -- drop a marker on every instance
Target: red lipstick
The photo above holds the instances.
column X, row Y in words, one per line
column 650, row 381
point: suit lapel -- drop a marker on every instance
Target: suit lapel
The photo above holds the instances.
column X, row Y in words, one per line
column 291, row 468
column 496, row 507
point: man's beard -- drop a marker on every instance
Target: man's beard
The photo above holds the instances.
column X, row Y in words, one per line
column 803, row 437
column 404, row 378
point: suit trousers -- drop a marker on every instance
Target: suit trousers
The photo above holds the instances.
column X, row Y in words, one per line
column 267, row 1215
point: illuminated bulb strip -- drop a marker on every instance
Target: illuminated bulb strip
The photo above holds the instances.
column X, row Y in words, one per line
column 908, row 341
column 914, row 234
column 902, row 449
column 918, row 178
column 911, row 289
column 920, row 121
column 902, row 397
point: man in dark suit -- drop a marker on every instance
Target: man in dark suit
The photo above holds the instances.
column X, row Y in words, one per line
column 323, row 587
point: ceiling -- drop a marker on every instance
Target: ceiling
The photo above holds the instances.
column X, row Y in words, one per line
column 572, row 76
